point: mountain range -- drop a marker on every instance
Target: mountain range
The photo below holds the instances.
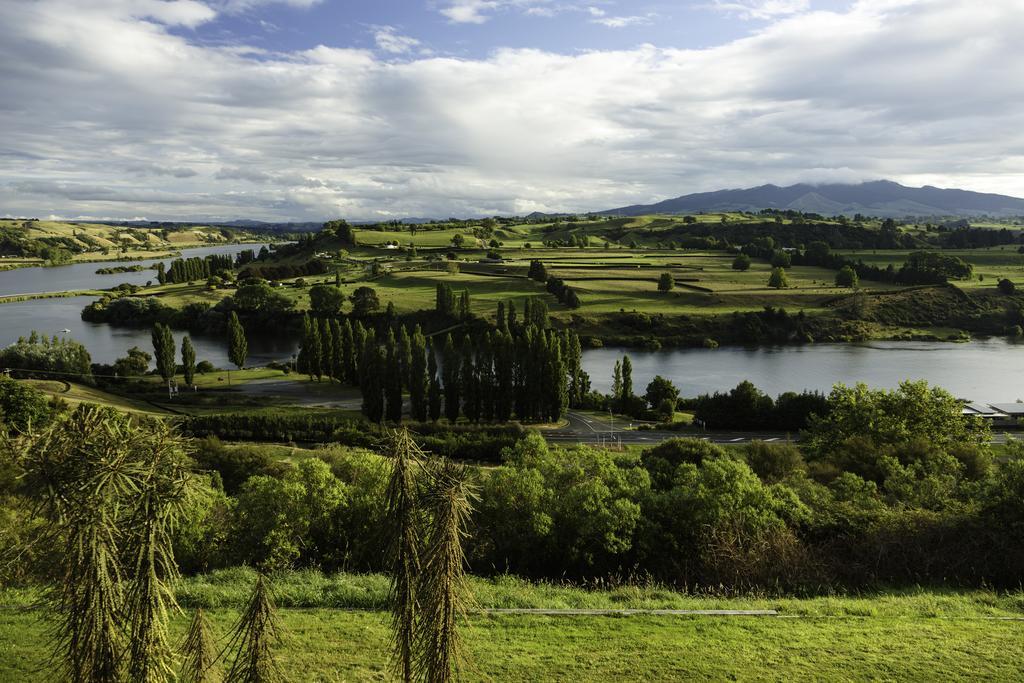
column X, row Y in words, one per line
column 880, row 198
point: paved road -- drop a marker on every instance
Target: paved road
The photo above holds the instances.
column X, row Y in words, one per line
column 579, row 427
column 582, row 428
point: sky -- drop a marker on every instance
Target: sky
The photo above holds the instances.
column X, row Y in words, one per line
column 308, row 110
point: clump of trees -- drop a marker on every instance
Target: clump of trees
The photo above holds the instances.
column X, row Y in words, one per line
column 41, row 356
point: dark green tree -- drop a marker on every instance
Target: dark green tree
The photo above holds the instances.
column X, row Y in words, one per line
column 393, row 381
column 238, row 347
column 452, row 379
column 418, row 380
column 188, row 360
column 434, row 394
column 164, row 351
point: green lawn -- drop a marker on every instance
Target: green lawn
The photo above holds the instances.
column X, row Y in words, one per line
column 331, row 645
column 335, row 630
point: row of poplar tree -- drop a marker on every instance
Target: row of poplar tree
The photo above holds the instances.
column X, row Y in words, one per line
column 194, row 268
column 518, row 369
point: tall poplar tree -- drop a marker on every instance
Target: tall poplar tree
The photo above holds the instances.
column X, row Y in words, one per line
column 434, row 385
column 418, row 380
column 348, row 353
column 470, row 385
column 238, row 347
column 188, row 360
column 164, row 351
column 452, row 376
column 393, row 381
column 337, row 352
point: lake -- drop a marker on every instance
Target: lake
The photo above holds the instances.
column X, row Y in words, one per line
column 107, row 343
column 982, row 370
column 83, row 275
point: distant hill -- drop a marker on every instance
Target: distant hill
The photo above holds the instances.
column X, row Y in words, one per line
column 879, row 198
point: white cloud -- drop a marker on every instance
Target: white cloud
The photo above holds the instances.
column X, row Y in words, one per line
column 236, row 6
column 389, row 40
column 762, row 9
column 600, row 16
column 109, row 113
column 480, row 11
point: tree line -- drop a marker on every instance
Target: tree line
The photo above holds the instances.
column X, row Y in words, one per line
column 520, row 368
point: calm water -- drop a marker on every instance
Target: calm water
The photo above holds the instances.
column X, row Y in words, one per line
column 988, row 371
column 83, row 275
column 107, row 343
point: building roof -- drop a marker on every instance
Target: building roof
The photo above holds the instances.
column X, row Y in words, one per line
column 1011, row 409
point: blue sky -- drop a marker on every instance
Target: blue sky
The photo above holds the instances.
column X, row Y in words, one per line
column 439, row 27
column 314, row 109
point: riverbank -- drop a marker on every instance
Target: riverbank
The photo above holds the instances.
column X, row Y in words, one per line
column 16, row 298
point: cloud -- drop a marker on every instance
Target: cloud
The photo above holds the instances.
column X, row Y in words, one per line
column 146, row 168
column 237, row 6
column 480, row 11
column 599, row 16
column 389, row 40
column 762, row 9
column 110, row 112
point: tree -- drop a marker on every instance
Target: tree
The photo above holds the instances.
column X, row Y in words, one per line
column 188, row 360
column 464, row 305
column 778, row 279
column 198, row 651
column 23, row 407
column 741, row 262
column 443, row 591
column 260, row 297
column 452, row 379
column 666, row 283
column 393, row 382
column 254, row 638
column 164, row 351
column 326, row 300
column 1007, row 286
column 372, row 380
column 627, row 379
column 110, row 491
column 458, row 240
column 434, row 387
column 660, row 389
column 537, row 271
column 781, row 259
column 135, row 364
column 337, row 369
column 314, row 349
column 847, row 277
column 913, row 411
column 364, row 301
column 238, row 347
column 404, row 523
column 418, row 381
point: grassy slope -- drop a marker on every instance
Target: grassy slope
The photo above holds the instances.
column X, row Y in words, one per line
column 898, row 636
column 90, row 239
column 323, row 645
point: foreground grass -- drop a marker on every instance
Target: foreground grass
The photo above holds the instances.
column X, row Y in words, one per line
column 335, row 630
column 331, row 645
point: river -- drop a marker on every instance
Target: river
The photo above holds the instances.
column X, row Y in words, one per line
column 79, row 276
column 981, row 370
column 106, row 343
column 988, row 370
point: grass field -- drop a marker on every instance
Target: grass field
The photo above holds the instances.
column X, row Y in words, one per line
column 75, row 394
column 911, row 636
